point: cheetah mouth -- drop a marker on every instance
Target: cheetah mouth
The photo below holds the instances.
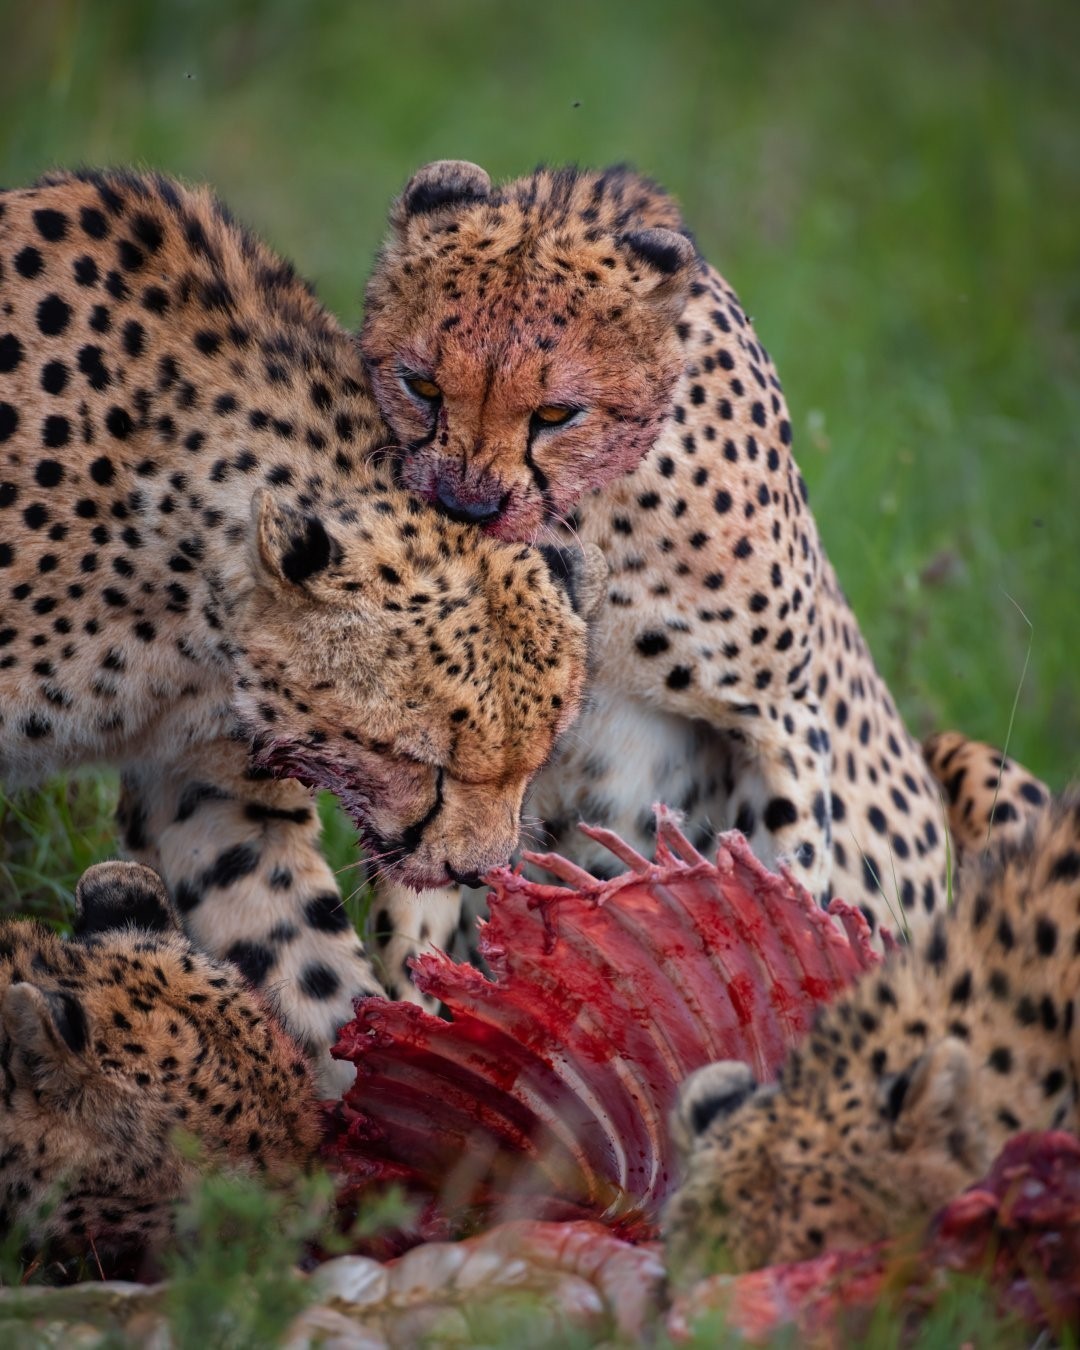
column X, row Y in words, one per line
column 516, row 513
column 392, row 857
column 288, row 759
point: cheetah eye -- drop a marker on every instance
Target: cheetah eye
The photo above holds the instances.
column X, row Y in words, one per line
column 422, row 387
column 553, row 415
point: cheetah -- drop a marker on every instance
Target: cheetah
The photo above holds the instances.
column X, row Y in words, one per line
column 115, row 1045
column 208, row 578
column 555, row 358
column 908, row 1086
column 988, row 797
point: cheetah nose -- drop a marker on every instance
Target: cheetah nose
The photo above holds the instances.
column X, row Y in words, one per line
column 471, row 879
column 468, row 512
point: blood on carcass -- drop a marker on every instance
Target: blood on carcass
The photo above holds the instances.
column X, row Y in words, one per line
column 546, row 1096
column 547, row 1092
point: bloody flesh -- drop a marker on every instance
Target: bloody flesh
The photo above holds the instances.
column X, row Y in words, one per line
column 548, row 1091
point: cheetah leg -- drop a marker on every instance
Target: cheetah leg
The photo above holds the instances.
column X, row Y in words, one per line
column 404, row 924
column 241, row 858
column 780, row 798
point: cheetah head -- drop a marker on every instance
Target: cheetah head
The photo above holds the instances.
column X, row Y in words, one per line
column 522, row 344
column 782, row 1173
column 416, row 669
column 113, row 1045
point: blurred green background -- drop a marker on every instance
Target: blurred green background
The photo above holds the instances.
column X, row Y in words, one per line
column 893, row 189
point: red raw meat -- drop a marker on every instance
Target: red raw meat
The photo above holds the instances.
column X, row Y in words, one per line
column 547, row 1094
column 1019, row 1228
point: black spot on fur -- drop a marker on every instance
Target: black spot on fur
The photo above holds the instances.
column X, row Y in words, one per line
column 1046, row 935
column 187, row 896
column 253, row 959
column 326, row 913
column 236, row 862
column 28, row 262
column 93, row 222
column 780, row 812
column 53, row 315
column 11, row 352
column 192, row 797
column 651, row 644
column 319, row 981
column 1001, row 1059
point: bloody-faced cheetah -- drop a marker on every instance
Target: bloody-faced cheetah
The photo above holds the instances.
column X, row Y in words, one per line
column 200, row 557
column 907, row 1087
column 553, row 348
column 112, row 1046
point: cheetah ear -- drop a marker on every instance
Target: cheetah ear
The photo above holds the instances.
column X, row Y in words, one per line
column 932, row 1103
column 115, row 895
column 49, row 1032
column 446, row 182
column 669, row 259
column 711, row 1093
column 293, row 548
column 581, row 572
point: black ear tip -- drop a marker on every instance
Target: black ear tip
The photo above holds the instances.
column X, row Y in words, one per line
column 119, row 894
column 69, row 1018
column 560, row 563
column 310, row 550
column 291, row 546
column 447, row 182
column 581, row 572
column 667, row 251
column 713, row 1093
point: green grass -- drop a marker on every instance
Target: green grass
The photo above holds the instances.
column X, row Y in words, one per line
column 47, row 840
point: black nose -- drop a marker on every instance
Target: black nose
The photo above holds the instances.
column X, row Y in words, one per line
column 472, row 879
column 468, row 512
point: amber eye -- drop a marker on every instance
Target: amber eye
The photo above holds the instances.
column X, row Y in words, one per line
column 423, row 387
column 553, row 415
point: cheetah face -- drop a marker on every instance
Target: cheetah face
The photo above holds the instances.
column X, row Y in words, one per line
column 777, row 1174
column 517, row 368
column 113, row 1043
column 423, row 683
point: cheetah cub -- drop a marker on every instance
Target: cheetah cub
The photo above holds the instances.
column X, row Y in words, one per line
column 113, row 1044
column 907, row 1087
